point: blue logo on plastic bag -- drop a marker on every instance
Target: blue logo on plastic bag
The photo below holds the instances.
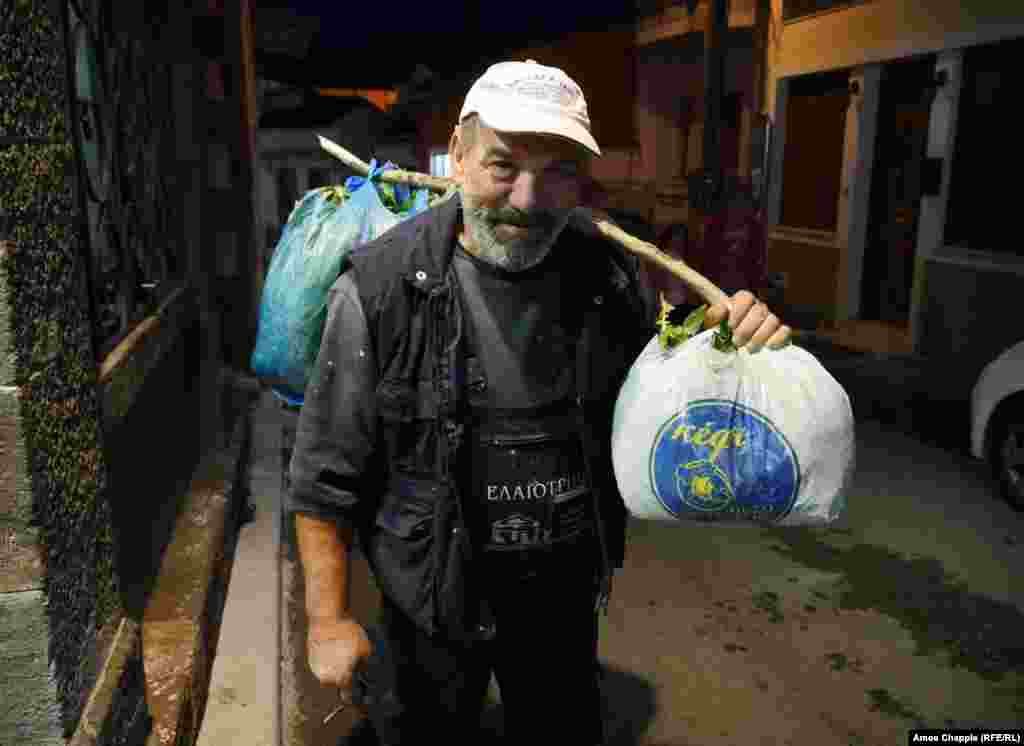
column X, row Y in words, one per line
column 722, row 460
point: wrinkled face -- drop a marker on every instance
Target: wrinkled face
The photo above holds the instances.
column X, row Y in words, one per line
column 517, row 192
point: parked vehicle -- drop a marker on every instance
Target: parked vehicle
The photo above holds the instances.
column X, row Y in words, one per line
column 997, row 422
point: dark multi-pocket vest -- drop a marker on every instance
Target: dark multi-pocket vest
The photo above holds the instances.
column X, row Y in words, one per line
column 417, row 537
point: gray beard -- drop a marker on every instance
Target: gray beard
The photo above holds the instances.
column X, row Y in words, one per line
column 513, row 256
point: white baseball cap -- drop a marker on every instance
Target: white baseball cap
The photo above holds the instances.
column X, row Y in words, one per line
column 530, row 97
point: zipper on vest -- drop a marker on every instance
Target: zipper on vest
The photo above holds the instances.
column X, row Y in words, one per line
column 518, row 440
column 605, row 586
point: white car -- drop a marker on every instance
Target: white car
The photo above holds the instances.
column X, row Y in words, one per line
column 997, row 422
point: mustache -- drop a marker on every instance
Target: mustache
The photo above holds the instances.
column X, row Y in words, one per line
column 514, row 216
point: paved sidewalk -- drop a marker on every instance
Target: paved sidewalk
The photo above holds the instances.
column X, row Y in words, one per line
column 243, row 703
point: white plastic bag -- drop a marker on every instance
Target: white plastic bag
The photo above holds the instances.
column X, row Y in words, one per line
column 730, row 437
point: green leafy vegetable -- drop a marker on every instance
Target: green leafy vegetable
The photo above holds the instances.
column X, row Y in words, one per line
column 336, row 194
column 674, row 329
column 723, row 338
column 388, row 196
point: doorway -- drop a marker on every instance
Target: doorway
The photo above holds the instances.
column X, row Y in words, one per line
column 905, row 100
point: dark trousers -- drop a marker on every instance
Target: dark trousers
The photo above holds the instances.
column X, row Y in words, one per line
column 543, row 656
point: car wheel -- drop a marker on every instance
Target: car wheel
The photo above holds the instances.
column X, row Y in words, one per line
column 1008, row 458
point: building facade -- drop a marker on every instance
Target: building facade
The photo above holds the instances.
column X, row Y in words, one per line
column 886, row 215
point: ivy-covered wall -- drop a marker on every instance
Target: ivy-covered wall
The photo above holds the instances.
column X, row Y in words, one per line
column 98, row 457
column 53, row 422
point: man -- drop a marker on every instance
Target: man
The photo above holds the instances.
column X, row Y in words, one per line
column 458, row 423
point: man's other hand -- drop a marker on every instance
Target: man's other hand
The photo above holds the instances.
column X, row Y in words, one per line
column 336, row 648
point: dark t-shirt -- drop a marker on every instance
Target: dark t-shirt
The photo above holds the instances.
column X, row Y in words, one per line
column 517, row 330
column 528, row 485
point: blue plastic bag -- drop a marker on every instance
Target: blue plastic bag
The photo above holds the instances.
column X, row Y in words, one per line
column 322, row 229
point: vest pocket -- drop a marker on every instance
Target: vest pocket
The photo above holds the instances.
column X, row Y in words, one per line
column 402, row 549
column 419, row 552
column 408, row 508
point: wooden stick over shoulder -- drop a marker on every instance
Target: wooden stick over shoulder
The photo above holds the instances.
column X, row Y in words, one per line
column 646, row 251
column 651, row 253
column 434, row 183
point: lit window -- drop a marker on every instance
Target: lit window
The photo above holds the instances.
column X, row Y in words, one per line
column 440, row 163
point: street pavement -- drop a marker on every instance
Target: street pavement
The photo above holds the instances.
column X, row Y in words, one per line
column 907, row 613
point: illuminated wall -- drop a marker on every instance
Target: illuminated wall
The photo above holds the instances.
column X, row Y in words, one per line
column 881, row 30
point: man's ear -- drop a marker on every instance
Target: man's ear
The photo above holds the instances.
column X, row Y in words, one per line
column 457, row 154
